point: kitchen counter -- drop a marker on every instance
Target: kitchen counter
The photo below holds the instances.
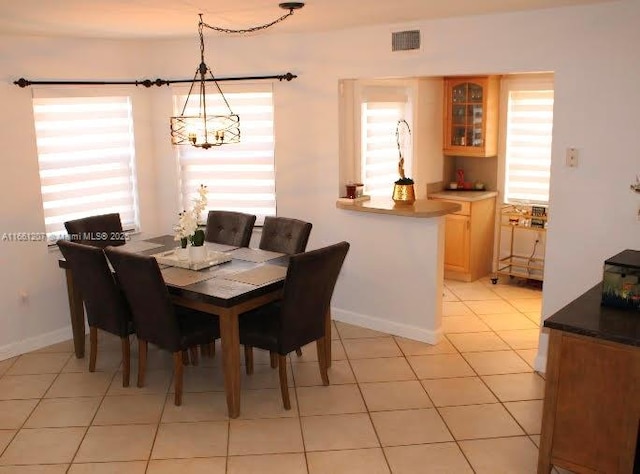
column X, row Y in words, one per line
column 421, row 208
column 585, row 316
column 463, row 196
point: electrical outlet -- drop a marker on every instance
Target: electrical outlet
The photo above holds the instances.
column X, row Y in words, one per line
column 572, row 157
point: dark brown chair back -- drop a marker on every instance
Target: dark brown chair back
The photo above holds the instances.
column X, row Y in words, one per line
column 285, row 235
column 98, row 231
column 230, row 228
column 148, row 297
column 311, row 278
column 106, row 306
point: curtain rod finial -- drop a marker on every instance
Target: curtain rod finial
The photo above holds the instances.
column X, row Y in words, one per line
column 22, row 82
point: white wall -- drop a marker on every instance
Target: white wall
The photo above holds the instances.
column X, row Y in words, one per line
column 592, row 51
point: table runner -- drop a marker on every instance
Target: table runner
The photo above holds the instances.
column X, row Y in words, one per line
column 259, row 276
column 183, row 277
column 254, row 255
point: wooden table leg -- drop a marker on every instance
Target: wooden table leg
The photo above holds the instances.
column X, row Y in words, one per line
column 327, row 337
column 76, row 311
column 231, row 360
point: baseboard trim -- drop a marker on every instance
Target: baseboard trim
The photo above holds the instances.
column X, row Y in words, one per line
column 34, row 343
column 390, row 327
column 540, row 363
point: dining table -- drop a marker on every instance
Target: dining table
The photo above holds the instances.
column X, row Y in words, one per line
column 250, row 279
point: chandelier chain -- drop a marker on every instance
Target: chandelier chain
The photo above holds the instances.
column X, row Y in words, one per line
column 206, row 131
column 247, row 30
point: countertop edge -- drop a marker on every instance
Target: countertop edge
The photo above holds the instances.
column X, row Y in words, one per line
column 585, row 316
column 463, row 196
column 422, row 208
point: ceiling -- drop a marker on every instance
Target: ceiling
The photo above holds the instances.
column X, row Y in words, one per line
column 179, row 18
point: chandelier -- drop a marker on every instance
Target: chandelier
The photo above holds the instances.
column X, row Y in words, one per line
column 206, row 130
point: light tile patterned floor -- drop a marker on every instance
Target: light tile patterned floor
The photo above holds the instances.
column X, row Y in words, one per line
column 470, row 404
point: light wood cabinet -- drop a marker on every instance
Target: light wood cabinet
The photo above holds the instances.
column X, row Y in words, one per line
column 468, row 240
column 456, row 243
column 471, row 116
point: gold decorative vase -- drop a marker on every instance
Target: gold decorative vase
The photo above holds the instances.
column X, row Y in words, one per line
column 404, row 194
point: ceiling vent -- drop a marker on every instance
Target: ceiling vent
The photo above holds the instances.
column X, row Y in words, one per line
column 405, row 40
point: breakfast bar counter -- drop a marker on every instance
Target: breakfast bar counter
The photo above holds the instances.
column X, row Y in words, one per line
column 422, row 208
column 406, row 244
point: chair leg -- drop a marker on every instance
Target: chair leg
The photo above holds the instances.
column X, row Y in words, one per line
column 142, row 361
column 93, row 342
column 299, row 352
column 193, row 354
column 322, row 360
column 273, row 357
column 248, row 359
column 177, row 377
column 284, row 385
column 126, row 361
column 185, row 357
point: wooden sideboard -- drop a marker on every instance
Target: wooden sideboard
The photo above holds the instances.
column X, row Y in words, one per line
column 591, row 414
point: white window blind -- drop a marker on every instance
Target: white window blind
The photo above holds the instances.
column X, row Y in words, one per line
column 240, row 176
column 86, row 159
column 528, row 145
column 379, row 162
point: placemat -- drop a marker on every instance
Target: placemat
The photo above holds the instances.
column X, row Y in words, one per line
column 254, row 255
column 136, row 246
column 182, row 277
column 260, row 275
column 227, row 288
column 219, row 247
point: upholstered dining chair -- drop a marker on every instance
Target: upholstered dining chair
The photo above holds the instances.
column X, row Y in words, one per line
column 105, row 304
column 229, row 228
column 299, row 318
column 284, row 235
column 157, row 320
column 100, row 231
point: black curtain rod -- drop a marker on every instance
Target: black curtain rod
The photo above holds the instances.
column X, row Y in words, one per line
column 22, row 82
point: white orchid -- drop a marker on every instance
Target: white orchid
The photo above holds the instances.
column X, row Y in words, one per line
column 188, row 220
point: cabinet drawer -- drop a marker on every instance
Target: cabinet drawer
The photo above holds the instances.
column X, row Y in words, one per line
column 465, row 206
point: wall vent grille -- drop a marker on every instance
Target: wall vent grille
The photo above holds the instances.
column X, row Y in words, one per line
column 405, row 40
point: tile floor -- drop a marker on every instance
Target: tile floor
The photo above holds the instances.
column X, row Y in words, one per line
column 470, row 404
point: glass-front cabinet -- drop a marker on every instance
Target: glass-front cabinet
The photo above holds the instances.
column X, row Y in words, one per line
column 471, row 116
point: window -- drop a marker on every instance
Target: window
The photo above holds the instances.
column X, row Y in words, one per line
column 527, row 147
column 86, row 157
column 241, row 176
column 381, row 109
column 379, row 163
